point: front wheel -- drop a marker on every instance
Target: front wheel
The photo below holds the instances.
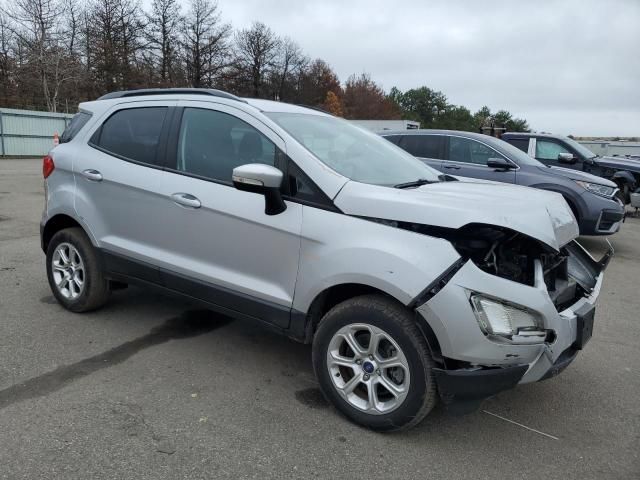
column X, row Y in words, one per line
column 373, row 363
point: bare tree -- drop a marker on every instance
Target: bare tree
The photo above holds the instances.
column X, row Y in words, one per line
column 42, row 37
column 113, row 43
column 7, row 62
column 290, row 63
column 256, row 51
column 163, row 24
column 205, row 43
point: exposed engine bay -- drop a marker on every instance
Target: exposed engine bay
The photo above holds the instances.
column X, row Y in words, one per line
column 568, row 274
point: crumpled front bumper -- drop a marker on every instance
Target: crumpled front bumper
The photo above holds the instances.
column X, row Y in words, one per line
column 495, row 364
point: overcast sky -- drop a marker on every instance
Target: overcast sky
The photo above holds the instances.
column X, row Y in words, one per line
column 568, row 67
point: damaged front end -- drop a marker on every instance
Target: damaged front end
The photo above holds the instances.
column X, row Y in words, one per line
column 511, row 310
column 569, row 274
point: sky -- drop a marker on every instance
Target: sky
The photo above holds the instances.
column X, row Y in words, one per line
column 567, row 66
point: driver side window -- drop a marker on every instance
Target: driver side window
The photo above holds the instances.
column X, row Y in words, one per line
column 211, row 144
column 469, row 151
column 546, row 150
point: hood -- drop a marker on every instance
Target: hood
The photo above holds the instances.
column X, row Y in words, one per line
column 577, row 175
column 620, row 163
column 539, row 214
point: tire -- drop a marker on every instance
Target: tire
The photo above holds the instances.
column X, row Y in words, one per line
column 623, row 193
column 393, row 326
column 78, row 283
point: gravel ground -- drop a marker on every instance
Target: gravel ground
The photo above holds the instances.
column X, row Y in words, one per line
column 154, row 387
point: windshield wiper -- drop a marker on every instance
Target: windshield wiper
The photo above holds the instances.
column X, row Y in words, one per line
column 415, row 183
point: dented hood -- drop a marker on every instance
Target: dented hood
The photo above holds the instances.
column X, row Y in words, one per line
column 539, row 214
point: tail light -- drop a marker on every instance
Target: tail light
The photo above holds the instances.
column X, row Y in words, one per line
column 47, row 166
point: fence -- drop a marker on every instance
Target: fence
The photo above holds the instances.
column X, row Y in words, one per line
column 27, row 133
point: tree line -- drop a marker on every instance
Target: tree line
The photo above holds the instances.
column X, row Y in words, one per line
column 55, row 54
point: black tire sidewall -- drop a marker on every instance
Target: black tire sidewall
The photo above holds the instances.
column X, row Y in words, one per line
column 92, row 275
column 421, row 377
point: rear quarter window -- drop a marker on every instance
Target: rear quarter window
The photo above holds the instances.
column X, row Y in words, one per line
column 78, row 121
column 519, row 143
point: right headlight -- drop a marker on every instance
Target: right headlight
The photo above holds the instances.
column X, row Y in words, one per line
column 602, row 190
column 504, row 319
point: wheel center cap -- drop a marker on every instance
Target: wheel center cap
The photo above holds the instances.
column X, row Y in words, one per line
column 368, row 367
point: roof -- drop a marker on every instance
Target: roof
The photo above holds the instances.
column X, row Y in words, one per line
column 426, row 131
column 273, row 106
column 531, row 134
column 169, row 91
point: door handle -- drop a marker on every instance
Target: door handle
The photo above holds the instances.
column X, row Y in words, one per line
column 452, row 167
column 186, row 200
column 93, row 175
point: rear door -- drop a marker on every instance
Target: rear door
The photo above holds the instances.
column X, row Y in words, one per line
column 219, row 244
column 467, row 157
column 428, row 148
column 118, row 172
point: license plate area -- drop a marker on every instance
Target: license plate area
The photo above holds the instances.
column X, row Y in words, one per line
column 584, row 325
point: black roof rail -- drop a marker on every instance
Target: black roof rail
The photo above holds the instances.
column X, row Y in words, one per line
column 170, row 91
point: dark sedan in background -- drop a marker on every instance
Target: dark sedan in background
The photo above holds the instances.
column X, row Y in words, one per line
column 592, row 199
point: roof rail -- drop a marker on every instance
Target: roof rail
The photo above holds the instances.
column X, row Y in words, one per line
column 170, row 91
column 318, row 109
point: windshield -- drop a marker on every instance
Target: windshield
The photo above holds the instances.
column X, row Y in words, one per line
column 353, row 152
column 581, row 149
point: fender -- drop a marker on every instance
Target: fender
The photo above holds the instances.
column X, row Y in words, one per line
column 624, row 176
column 341, row 249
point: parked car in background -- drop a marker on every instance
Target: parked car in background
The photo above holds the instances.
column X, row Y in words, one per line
column 410, row 288
column 592, row 199
column 556, row 150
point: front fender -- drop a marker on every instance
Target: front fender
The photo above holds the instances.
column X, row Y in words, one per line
column 625, row 177
column 338, row 249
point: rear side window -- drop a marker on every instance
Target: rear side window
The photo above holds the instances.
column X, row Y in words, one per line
column 521, row 143
column 395, row 139
column 469, row 151
column 132, row 134
column 426, row 146
column 78, row 121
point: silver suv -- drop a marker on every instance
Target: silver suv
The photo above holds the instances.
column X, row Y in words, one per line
column 411, row 286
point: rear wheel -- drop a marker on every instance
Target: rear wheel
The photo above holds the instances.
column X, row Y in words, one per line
column 373, row 363
column 74, row 272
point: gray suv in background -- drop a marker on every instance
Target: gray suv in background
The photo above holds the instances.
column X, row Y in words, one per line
column 410, row 289
column 592, row 199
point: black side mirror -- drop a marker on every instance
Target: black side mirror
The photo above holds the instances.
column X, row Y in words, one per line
column 568, row 158
column 263, row 179
column 500, row 164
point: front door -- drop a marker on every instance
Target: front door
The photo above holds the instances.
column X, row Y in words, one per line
column 468, row 158
column 221, row 246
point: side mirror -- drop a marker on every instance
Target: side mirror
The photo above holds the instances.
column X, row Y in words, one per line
column 567, row 158
column 263, row 179
column 500, row 164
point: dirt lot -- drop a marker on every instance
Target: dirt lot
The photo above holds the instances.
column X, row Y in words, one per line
column 153, row 387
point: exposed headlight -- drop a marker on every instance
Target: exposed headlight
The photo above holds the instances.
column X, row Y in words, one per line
column 504, row 319
column 602, row 190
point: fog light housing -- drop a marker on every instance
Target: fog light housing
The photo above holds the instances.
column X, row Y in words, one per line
column 496, row 317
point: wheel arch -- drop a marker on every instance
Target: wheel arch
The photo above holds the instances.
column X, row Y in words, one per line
column 56, row 223
column 336, row 294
